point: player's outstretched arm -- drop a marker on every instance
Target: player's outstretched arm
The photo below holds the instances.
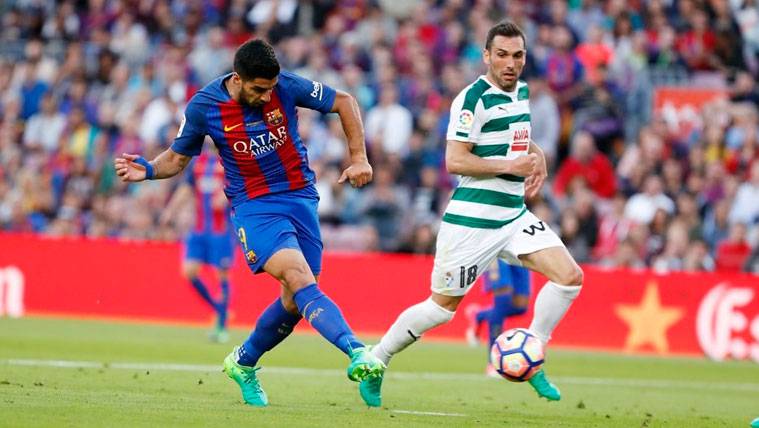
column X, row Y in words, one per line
column 460, row 160
column 359, row 172
column 134, row 168
column 534, row 182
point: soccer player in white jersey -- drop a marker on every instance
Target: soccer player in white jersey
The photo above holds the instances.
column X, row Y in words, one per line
column 489, row 146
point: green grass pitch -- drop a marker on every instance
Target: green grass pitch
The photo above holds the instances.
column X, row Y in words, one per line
column 57, row 372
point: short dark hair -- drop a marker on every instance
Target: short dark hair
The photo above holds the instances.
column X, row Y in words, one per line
column 506, row 29
column 256, row 58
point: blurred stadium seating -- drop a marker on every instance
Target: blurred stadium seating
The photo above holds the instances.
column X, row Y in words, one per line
column 640, row 176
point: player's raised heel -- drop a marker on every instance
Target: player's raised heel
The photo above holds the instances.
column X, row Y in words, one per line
column 245, row 377
column 544, row 387
column 364, row 365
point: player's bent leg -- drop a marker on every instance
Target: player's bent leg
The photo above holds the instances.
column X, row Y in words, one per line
column 290, row 267
column 407, row 329
column 412, row 323
column 553, row 301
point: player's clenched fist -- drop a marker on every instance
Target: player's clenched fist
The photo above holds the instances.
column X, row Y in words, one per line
column 358, row 174
column 128, row 169
column 524, row 166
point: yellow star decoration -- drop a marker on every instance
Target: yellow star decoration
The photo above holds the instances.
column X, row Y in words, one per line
column 648, row 321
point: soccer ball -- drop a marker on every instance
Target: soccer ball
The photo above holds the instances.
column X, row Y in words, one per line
column 517, row 354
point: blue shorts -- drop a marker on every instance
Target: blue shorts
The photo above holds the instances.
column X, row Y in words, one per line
column 209, row 248
column 270, row 223
column 508, row 276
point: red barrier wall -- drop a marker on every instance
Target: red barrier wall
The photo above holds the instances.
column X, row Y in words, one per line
column 716, row 314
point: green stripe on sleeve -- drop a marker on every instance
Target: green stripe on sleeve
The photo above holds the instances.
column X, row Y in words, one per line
column 473, row 95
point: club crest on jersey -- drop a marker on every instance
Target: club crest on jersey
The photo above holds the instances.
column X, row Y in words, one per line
column 448, row 279
column 274, row 117
column 251, row 256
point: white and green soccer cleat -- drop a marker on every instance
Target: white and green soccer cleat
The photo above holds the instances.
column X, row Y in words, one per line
column 364, row 365
column 245, row 377
column 544, row 387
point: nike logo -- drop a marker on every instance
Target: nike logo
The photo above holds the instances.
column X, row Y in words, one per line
column 412, row 335
column 504, row 108
column 229, row 128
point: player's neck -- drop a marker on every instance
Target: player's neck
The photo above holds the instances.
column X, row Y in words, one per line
column 233, row 90
column 489, row 77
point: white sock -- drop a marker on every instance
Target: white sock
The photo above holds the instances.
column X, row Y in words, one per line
column 409, row 327
column 552, row 303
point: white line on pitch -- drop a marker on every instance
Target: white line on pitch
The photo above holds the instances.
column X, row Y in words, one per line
column 415, row 412
column 571, row 380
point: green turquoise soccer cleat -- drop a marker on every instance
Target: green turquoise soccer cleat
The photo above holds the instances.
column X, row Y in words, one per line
column 371, row 391
column 544, row 387
column 364, row 365
column 245, row 376
column 755, row 423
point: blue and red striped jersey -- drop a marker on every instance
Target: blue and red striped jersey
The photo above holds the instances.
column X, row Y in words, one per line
column 206, row 176
column 260, row 148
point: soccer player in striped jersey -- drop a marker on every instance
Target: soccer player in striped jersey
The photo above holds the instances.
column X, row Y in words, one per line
column 210, row 241
column 489, row 146
column 250, row 114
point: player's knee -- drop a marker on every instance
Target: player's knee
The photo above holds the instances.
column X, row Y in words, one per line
column 295, row 278
column 573, row 276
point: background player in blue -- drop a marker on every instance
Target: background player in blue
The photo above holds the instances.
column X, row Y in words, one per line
column 510, row 286
column 210, row 241
column 251, row 116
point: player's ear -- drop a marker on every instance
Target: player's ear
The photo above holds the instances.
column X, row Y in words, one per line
column 486, row 56
column 236, row 79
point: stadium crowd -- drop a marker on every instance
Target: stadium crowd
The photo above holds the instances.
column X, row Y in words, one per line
column 81, row 81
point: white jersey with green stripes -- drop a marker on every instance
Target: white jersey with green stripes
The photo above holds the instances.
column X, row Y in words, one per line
column 497, row 123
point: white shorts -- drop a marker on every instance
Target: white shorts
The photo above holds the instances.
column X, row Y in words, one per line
column 463, row 253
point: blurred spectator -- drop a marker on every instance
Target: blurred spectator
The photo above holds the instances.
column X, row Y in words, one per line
column 44, row 129
column 593, row 53
column 626, row 256
column 546, row 122
column 587, row 165
column 733, row 252
column 642, row 207
column 745, row 208
column 389, row 124
column 675, row 248
column 697, row 258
